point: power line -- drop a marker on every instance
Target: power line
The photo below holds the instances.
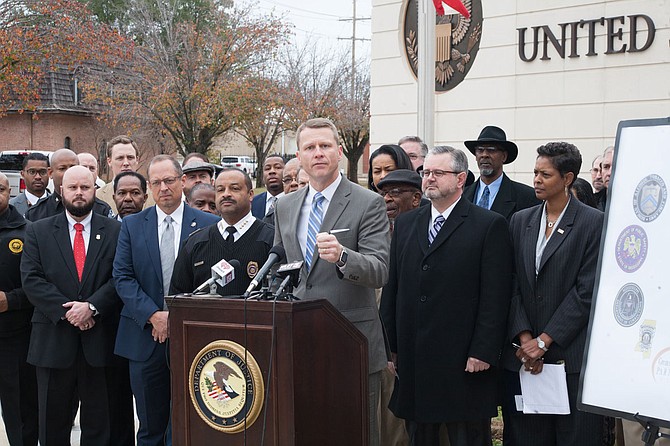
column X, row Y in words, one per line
column 291, row 7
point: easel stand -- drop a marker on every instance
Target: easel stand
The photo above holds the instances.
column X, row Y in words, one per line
column 651, row 432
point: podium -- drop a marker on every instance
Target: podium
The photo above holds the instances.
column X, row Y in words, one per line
column 303, row 382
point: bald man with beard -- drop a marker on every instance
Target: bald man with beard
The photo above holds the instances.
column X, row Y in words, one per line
column 76, row 313
column 61, row 161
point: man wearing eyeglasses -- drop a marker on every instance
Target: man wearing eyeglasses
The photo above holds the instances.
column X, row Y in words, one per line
column 145, row 256
column 401, row 190
column 445, row 308
column 290, row 176
column 494, row 190
column 61, row 161
column 35, row 174
column 415, row 148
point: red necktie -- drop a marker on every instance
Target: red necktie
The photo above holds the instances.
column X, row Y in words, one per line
column 79, row 249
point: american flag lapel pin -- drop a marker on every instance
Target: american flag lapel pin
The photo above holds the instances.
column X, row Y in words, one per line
column 193, row 224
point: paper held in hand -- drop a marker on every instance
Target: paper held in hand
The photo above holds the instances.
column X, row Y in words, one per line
column 544, row 393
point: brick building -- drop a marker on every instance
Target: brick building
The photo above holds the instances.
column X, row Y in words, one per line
column 61, row 120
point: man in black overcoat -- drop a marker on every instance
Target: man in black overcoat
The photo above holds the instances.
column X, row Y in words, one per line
column 445, row 308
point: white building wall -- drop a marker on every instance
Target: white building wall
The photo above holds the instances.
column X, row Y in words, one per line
column 579, row 100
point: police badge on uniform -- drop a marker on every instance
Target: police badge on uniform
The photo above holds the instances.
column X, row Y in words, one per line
column 16, row 246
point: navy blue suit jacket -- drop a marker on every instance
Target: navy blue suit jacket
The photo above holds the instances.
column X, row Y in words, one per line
column 258, row 205
column 138, row 277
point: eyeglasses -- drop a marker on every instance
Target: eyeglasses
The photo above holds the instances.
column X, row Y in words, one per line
column 437, row 173
column 169, row 181
column 396, row 192
column 289, row 180
column 414, row 156
column 33, row 172
column 481, row 150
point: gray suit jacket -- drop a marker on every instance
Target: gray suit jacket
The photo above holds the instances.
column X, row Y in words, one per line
column 352, row 290
column 558, row 300
column 20, row 202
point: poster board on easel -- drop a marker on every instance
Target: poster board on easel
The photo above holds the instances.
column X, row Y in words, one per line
column 626, row 367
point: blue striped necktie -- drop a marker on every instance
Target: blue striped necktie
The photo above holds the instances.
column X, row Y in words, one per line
column 437, row 225
column 313, row 227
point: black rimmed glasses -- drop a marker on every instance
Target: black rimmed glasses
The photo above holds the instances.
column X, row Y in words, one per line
column 437, row 173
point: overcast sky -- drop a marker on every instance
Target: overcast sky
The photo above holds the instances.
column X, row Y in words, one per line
column 321, row 20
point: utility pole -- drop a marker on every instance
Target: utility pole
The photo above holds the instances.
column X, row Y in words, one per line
column 353, row 39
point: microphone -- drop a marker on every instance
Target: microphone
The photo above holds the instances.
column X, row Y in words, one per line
column 222, row 273
column 277, row 254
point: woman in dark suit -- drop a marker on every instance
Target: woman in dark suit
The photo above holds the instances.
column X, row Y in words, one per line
column 556, row 247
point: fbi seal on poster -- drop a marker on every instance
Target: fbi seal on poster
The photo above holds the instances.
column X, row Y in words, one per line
column 226, row 388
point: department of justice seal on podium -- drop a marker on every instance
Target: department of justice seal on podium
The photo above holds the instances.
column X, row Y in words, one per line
column 226, row 388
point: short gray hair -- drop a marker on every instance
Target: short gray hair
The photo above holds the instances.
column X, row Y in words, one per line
column 608, row 150
column 459, row 162
column 416, row 139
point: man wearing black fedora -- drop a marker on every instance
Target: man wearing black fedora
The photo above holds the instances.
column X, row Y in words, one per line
column 494, row 190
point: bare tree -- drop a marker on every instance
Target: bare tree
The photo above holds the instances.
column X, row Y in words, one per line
column 322, row 85
column 353, row 120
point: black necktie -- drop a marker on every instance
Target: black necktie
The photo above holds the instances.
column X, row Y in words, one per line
column 230, row 234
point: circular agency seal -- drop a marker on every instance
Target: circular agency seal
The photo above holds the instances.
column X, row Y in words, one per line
column 649, row 198
column 628, row 305
column 16, row 245
column 225, row 390
column 631, row 248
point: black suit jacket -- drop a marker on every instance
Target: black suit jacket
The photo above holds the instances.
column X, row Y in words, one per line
column 558, row 300
column 511, row 197
column 53, row 205
column 442, row 304
column 50, row 279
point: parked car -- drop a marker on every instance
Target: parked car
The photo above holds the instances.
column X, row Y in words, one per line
column 11, row 163
column 246, row 163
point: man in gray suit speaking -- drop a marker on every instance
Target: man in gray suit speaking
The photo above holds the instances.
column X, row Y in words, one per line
column 341, row 232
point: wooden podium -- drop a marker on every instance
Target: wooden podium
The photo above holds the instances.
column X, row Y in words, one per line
column 314, row 373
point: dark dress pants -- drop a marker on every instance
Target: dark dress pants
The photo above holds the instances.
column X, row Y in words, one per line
column 18, row 391
column 55, row 389
column 462, row 433
column 150, row 381
column 121, row 411
column 576, row 429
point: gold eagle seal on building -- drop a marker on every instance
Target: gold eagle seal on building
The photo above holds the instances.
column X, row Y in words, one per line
column 457, row 41
column 226, row 386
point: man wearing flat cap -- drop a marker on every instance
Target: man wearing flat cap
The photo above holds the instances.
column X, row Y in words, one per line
column 196, row 172
column 401, row 190
column 494, row 190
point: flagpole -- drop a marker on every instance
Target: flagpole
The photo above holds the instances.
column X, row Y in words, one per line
column 426, row 72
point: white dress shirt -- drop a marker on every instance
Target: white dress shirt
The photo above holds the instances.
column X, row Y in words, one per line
column 241, row 226
column 306, row 208
column 86, row 233
column 177, row 217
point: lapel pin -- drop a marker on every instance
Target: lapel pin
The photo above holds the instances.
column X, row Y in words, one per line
column 97, row 236
column 560, row 231
column 192, row 224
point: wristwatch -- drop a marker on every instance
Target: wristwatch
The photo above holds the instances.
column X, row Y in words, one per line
column 541, row 344
column 93, row 309
column 342, row 260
